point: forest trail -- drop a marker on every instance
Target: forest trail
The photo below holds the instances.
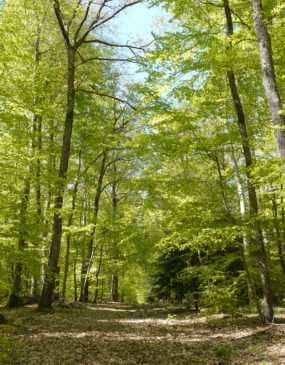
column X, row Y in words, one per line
column 112, row 334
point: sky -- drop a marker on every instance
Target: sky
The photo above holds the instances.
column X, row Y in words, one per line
column 134, row 26
column 139, row 21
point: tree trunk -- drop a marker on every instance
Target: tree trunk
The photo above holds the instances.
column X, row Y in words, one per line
column 37, row 150
column 245, row 247
column 14, row 296
column 122, row 296
column 222, row 185
column 96, row 292
column 278, row 234
column 268, row 313
column 75, row 277
column 90, row 253
column 115, row 286
column 48, row 288
column 102, row 290
column 115, row 275
column 68, row 237
column 269, row 78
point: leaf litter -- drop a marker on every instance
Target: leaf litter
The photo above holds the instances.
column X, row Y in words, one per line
column 106, row 334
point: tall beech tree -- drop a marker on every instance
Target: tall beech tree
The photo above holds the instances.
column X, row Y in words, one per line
column 253, row 203
column 75, row 37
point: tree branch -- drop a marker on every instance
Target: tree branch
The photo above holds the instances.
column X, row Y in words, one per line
column 103, row 95
column 73, row 14
column 240, row 19
column 114, row 14
column 92, row 162
column 117, row 45
column 82, row 39
column 83, row 19
column 113, row 161
column 105, row 59
column 61, row 23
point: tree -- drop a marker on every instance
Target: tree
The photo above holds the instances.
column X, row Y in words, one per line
column 253, row 204
column 75, row 39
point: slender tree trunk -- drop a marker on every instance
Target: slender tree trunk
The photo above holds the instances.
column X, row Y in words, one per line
column 37, row 150
column 102, row 290
column 245, row 245
column 278, row 234
column 115, row 275
column 14, row 296
column 48, row 288
column 122, row 297
column 115, row 285
column 56, row 291
column 45, row 237
column 66, row 263
column 68, row 237
column 245, row 250
column 84, row 219
column 222, row 184
column 269, row 77
column 253, row 204
column 282, row 213
column 96, row 292
column 37, row 121
column 47, row 221
column 90, row 252
column 75, row 277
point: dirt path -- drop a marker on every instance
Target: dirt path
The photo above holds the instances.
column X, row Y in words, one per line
column 129, row 335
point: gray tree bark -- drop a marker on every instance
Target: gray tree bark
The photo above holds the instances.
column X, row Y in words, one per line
column 269, row 78
column 268, row 312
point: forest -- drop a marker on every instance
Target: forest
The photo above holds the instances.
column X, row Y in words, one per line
column 142, row 178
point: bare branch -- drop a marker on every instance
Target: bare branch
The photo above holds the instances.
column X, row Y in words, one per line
column 105, row 59
column 84, row 19
column 82, row 39
column 121, row 127
column 103, row 95
column 114, row 161
column 80, row 56
column 240, row 19
column 117, row 117
column 117, row 45
column 116, row 13
column 92, row 162
column 74, row 14
column 105, row 186
column 61, row 22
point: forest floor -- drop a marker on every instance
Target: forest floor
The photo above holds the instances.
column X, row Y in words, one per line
column 112, row 334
